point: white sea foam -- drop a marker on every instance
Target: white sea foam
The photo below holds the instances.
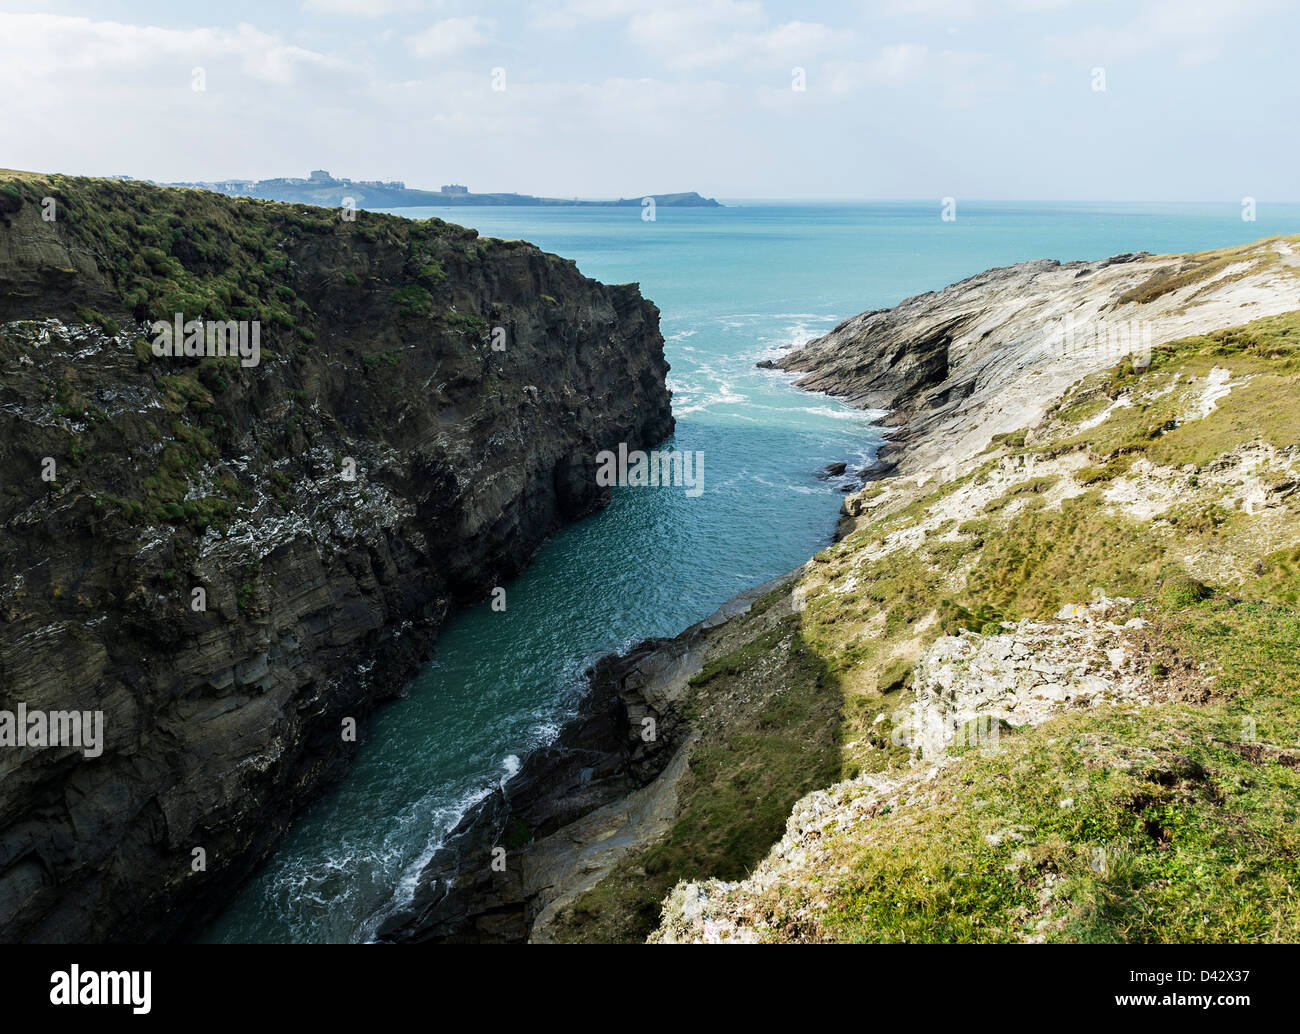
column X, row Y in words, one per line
column 446, row 818
column 865, row 416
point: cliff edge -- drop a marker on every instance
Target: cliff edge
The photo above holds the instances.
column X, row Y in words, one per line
column 988, row 354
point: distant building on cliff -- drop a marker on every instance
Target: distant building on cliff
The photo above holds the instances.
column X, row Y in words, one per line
column 320, row 176
column 454, row 188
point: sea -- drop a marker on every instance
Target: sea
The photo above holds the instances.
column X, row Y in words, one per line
column 735, row 285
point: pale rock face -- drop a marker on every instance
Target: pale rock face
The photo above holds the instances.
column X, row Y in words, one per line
column 967, row 685
column 987, row 355
column 1217, row 385
column 954, row 368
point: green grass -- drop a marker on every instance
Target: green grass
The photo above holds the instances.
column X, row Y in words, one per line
column 1264, row 361
column 1200, row 268
column 207, row 256
column 413, row 302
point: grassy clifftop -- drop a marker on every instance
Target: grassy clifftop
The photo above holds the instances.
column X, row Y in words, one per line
column 369, row 299
column 1110, row 600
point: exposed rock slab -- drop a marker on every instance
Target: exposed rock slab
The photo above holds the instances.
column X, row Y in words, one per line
column 576, row 806
column 985, row 356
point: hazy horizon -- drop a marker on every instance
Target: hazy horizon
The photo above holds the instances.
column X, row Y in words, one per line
column 723, row 200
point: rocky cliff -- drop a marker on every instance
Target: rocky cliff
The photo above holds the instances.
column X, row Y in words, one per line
column 987, row 355
column 577, row 806
column 1061, row 624
column 1045, row 686
column 1069, row 679
column 235, row 562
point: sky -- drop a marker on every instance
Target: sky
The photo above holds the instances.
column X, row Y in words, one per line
column 1145, row 100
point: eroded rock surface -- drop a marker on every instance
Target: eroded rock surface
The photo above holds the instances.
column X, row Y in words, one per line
column 988, row 354
column 484, row 883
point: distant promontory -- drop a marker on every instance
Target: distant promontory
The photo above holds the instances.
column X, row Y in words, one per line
column 320, row 188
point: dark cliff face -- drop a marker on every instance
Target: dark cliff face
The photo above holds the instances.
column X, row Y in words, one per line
column 383, row 464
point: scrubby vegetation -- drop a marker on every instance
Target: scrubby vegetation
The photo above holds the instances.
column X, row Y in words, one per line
column 1155, row 824
column 1201, row 268
column 761, row 749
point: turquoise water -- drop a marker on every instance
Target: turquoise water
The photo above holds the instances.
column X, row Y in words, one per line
column 734, row 285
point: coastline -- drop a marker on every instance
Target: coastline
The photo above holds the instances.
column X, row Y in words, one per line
column 963, row 393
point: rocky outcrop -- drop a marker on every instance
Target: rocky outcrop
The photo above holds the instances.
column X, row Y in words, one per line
column 236, row 563
column 1014, row 746
column 949, row 369
column 969, row 689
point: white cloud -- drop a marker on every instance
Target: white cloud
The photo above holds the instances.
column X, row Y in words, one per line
column 692, row 34
column 716, row 32
column 101, row 96
column 795, row 41
column 1195, row 31
column 946, row 78
column 966, row 9
column 573, row 13
column 41, row 44
column 632, row 95
column 899, row 63
column 892, row 65
column 451, row 36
